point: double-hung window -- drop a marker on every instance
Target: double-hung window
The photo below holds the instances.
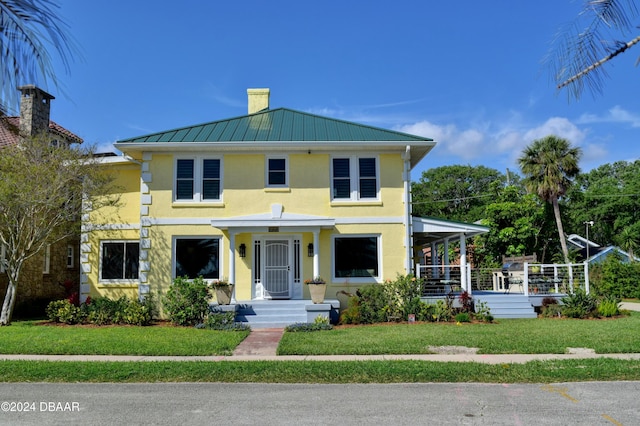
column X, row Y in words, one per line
column 198, row 179
column 354, row 178
column 119, row 260
column 277, row 176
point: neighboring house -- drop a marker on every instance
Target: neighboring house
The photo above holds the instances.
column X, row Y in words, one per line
column 42, row 275
column 595, row 252
column 264, row 201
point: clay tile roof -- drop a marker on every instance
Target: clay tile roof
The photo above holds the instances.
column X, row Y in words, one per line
column 9, row 131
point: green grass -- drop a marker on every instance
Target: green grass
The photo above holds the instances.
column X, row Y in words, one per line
column 320, row 371
column 30, row 338
column 527, row 336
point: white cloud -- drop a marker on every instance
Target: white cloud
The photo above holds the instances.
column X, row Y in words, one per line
column 614, row 115
column 491, row 144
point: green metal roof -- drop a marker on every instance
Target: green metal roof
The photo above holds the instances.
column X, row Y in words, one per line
column 277, row 125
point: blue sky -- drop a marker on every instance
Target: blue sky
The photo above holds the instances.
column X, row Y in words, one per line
column 466, row 73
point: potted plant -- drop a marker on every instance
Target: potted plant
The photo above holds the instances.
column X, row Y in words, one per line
column 317, row 287
column 224, row 290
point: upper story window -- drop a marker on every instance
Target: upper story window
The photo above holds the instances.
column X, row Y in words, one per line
column 198, row 179
column 354, row 178
column 277, row 172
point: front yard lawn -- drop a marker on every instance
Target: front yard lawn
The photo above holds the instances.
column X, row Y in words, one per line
column 526, row 336
column 27, row 337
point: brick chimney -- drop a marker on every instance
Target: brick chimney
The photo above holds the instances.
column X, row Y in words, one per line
column 258, row 100
column 35, row 109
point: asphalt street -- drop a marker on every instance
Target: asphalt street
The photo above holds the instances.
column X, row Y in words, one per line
column 585, row 403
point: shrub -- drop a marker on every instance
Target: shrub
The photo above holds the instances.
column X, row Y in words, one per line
column 351, row 315
column 307, row 327
column 186, row 302
column 139, row 312
column 63, row 311
column 466, row 302
column 443, row 311
column 579, row 305
column 609, row 306
column 483, row 312
column 373, row 304
column 222, row 321
column 103, row 311
column 551, row 311
column 463, row 317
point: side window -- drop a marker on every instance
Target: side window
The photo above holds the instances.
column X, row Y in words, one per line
column 277, row 172
column 70, row 257
column 119, row 260
column 46, row 265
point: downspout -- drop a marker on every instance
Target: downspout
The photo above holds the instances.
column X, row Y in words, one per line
column 408, row 222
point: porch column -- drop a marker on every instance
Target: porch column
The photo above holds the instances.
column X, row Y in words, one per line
column 445, row 261
column 232, row 263
column 435, row 272
column 463, row 264
column 316, row 255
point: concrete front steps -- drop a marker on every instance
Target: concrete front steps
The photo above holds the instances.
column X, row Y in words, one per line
column 506, row 305
column 279, row 313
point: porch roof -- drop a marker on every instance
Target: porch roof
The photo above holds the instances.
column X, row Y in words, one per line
column 427, row 230
column 274, row 219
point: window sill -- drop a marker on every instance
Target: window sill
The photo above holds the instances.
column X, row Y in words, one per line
column 196, row 204
column 277, row 189
column 350, row 203
column 118, row 284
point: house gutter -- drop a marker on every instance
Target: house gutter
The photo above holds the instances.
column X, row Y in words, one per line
column 408, row 225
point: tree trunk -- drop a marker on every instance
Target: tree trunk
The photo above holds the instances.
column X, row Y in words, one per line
column 9, row 303
column 563, row 242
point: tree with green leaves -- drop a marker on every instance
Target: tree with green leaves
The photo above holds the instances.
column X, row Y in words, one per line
column 608, row 196
column 43, row 188
column 603, row 30
column 549, row 165
column 28, row 31
column 456, row 192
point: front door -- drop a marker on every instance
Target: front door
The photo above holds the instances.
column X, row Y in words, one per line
column 277, row 269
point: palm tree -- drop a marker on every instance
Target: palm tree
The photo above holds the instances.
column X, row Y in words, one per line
column 602, row 31
column 549, row 165
column 27, row 27
column 628, row 239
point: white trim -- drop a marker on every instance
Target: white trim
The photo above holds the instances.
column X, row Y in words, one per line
column 46, row 267
column 369, row 220
column 357, row 280
column 88, row 227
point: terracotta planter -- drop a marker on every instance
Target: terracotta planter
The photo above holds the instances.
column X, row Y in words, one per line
column 223, row 294
column 317, row 292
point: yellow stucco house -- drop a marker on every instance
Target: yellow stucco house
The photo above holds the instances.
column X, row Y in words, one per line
column 264, row 201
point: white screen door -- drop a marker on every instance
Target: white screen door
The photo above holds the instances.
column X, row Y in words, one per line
column 277, row 269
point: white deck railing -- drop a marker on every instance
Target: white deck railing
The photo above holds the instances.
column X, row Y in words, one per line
column 534, row 279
